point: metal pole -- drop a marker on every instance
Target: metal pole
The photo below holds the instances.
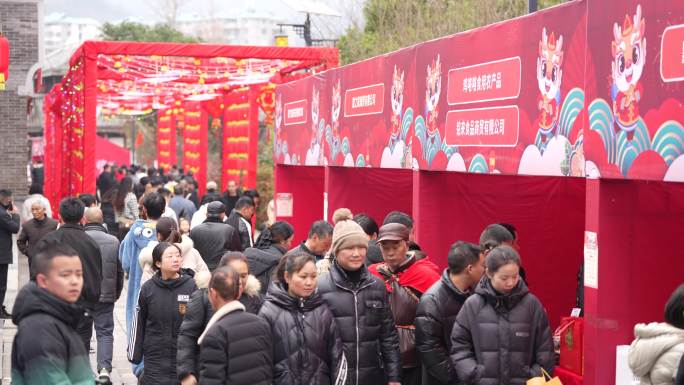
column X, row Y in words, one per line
column 307, row 30
column 532, row 5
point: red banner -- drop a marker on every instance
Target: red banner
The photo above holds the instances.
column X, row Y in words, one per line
column 235, row 138
column 366, row 100
column 295, row 113
column 195, row 143
column 497, row 80
column 635, row 90
column 672, row 54
column 166, row 139
column 485, row 127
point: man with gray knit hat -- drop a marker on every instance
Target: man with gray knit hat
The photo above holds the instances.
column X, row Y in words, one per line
column 358, row 301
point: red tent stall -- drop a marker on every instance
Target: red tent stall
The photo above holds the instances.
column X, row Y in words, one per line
column 577, row 142
column 133, row 78
column 299, row 198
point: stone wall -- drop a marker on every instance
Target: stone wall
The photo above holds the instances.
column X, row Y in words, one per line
column 19, row 22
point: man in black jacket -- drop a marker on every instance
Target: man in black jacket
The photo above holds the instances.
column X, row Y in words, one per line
column 71, row 233
column 9, row 224
column 236, row 347
column 47, row 349
column 214, row 237
column 34, row 229
column 318, row 241
column 110, row 289
column 199, row 312
column 358, row 300
column 240, row 218
column 438, row 308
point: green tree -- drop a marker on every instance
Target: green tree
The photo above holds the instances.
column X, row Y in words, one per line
column 393, row 24
column 130, row 31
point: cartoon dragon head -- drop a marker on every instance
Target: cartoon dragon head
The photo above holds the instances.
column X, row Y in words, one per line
column 549, row 72
column 397, row 91
column 629, row 51
column 336, row 101
column 434, row 84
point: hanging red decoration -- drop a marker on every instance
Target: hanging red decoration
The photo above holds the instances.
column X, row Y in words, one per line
column 4, row 61
column 266, row 101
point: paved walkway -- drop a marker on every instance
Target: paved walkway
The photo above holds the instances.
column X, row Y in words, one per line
column 18, row 276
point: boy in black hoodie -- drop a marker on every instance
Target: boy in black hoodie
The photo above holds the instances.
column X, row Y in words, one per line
column 47, row 349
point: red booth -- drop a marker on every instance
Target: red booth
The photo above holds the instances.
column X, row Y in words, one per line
column 564, row 123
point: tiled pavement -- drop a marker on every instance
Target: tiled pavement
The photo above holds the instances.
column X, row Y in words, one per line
column 18, row 276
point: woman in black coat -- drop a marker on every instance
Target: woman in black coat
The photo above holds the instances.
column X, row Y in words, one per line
column 501, row 334
column 307, row 345
column 161, row 307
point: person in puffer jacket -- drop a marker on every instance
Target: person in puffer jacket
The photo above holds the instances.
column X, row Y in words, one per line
column 656, row 352
column 270, row 247
column 438, row 309
column 359, row 303
column 501, row 335
column 199, row 311
column 47, row 350
column 307, row 347
column 161, row 306
column 167, row 231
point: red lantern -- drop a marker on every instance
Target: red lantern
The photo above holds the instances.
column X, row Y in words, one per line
column 4, row 61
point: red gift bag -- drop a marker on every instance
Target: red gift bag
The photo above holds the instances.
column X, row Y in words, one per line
column 572, row 344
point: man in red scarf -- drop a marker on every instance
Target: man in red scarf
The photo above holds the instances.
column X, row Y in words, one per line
column 406, row 278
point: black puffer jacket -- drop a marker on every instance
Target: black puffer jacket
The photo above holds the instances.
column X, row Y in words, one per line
column 501, row 339
column 363, row 316
column 212, row 239
column 307, row 348
column 236, row 349
column 47, row 350
column 197, row 317
column 435, row 318
column 161, row 307
column 262, row 263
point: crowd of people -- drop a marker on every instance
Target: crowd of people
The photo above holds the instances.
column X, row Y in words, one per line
column 355, row 303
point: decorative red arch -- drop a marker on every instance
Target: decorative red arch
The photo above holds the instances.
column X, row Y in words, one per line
column 129, row 77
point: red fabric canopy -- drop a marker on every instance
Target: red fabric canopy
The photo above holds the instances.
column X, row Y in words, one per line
column 136, row 78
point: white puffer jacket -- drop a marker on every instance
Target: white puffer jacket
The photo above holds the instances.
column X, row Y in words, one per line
column 655, row 353
column 191, row 260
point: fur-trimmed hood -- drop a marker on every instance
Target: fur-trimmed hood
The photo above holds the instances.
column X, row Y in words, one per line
column 191, row 260
column 252, row 288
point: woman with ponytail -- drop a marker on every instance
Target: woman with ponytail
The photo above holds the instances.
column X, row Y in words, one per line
column 269, row 248
column 167, row 231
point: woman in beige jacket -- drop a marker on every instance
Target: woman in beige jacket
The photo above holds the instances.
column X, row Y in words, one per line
column 167, row 231
column 655, row 353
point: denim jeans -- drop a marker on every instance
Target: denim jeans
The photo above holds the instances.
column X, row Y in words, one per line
column 103, row 317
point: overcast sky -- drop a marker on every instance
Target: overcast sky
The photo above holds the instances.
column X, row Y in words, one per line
column 116, row 10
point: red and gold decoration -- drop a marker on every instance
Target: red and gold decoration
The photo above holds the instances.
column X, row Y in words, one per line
column 109, row 79
column 166, row 139
column 195, row 143
column 4, row 61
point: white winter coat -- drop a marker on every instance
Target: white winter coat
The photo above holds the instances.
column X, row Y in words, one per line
column 191, row 260
column 655, row 353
